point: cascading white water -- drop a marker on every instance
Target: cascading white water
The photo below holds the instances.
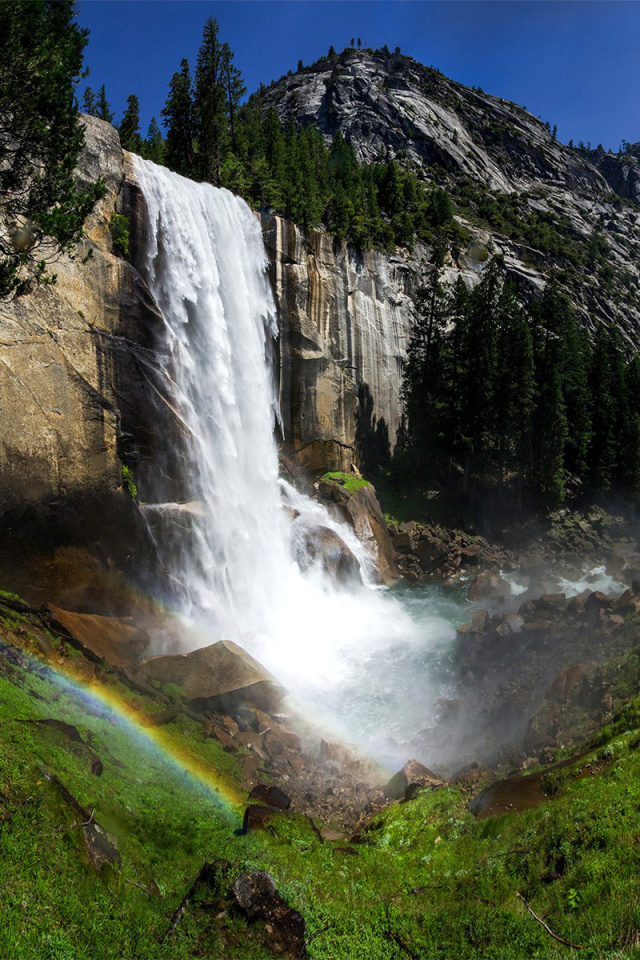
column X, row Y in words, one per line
column 205, row 264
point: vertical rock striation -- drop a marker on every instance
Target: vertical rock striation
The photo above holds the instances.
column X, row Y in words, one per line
column 345, row 320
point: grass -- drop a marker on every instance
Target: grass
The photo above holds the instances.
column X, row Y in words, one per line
column 426, row 878
column 349, row 481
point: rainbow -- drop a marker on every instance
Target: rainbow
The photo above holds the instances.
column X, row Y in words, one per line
column 149, row 736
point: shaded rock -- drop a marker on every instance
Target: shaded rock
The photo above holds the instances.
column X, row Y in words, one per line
column 256, row 895
column 362, row 511
column 257, row 816
column 596, row 603
column 403, row 541
column 480, row 621
column 489, row 586
column 218, row 678
column 99, row 847
column 564, row 684
column 270, row 796
column 628, row 603
column 103, row 638
column 413, row 772
column 510, row 624
column 324, row 547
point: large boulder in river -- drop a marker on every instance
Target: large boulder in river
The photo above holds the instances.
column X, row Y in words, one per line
column 218, row 678
column 489, row 586
column 357, row 504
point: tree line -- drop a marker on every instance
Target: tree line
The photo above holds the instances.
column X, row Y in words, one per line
column 212, row 136
column 518, row 401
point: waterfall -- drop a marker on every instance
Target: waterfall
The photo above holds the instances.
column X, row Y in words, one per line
column 232, row 554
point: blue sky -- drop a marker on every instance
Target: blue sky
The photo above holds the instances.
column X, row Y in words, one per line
column 573, row 63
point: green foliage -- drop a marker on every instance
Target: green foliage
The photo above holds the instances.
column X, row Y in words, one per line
column 119, row 227
column 518, row 400
column 349, row 481
column 41, row 136
column 425, row 872
column 97, row 105
column 292, row 170
column 153, row 147
column 129, row 128
column 178, row 116
column 128, row 482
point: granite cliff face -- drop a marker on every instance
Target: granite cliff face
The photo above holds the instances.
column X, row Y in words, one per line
column 79, row 390
column 81, row 393
column 483, row 147
column 345, row 321
column 74, row 383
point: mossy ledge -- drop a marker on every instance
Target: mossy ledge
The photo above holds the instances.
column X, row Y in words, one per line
column 350, row 481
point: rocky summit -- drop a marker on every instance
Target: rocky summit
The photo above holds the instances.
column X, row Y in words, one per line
column 520, row 192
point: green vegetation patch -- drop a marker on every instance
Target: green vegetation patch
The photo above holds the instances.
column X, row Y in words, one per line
column 422, row 879
column 349, row 481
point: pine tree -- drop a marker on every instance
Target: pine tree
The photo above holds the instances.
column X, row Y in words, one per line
column 605, row 377
column 41, row 136
column 129, row 129
column 514, row 392
column 551, row 472
column 478, row 357
column 103, row 108
column 424, row 369
column 178, row 118
column 89, row 102
column 212, row 122
column 153, row 146
column 629, row 466
column 235, row 89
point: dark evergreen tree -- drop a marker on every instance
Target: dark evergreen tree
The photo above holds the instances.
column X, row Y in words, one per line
column 89, row 102
column 425, row 370
column 604, row 383
column 211, row 111
column 629, row 465
column 103, row 109
column 129, row 128
column 235, row 90
column 178, row 118
column 41, row 136
column 551, row 471
column 153, row 146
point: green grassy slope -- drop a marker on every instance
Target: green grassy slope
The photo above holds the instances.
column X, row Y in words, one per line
column 425, row 880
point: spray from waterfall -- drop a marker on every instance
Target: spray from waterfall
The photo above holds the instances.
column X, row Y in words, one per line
column 226, row 541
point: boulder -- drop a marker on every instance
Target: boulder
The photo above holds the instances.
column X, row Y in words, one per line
column 510, row 624
column 362, row 511
column 489, row 586
column 257, row 816
column 403, row 541
column 628, row 603
column 412, row 773
column 270, row 796
column 566, row 683
column 323, row 546
column 219, row 678
column 596, row 604
column 256, row 896
column 102, row 638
